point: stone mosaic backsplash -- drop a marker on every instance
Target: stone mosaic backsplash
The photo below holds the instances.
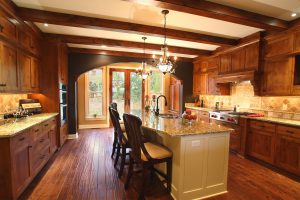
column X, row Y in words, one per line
column 242, row 95
column 10, row 102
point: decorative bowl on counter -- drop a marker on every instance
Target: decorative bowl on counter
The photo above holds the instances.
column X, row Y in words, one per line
column 188, row 117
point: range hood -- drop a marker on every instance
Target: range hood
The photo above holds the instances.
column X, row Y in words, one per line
column 252, row 76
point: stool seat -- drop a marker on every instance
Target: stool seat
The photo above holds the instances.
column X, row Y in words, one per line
column 155, row 151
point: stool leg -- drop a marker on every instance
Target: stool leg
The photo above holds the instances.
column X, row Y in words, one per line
column 118, row 155
column 114, row 145
column 123, row 157
column 169, row 174
column 130, row 171
column 144, row 172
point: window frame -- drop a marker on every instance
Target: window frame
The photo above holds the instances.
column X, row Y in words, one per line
column 86, row 99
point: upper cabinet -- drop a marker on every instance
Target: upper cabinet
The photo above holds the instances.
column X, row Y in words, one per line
column 279, row 45
column 241, row 59
column 19, row 56
column 8, row 68
column 63, row 63
column 8, row 27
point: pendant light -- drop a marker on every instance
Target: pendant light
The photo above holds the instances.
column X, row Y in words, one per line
column 165, row 64
column 142, row 70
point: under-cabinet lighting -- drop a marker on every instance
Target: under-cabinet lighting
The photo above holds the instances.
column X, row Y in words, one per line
column 45, row 24
column 103, row 46
column 293, row 14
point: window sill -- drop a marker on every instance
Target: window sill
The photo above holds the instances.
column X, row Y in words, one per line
column 95, row 118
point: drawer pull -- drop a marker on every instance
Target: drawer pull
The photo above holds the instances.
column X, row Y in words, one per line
column 291, row 132
column 3, row 85
column 36, row 130
column 21, row 139
column 1, row 28
column 46, row 124
column 42, row 157
column 42, row 140
column 30, row 146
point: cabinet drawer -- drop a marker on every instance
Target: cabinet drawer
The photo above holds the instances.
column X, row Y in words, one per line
column 40, row 158
column 262, row 126
column 37, row 130
column 20, row 140
column 7, row 27
column 289, row 131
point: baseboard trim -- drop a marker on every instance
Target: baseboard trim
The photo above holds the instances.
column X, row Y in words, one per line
column 90, row 126
column 73, row 136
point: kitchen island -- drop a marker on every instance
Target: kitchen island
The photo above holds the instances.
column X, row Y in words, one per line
column 200, row 155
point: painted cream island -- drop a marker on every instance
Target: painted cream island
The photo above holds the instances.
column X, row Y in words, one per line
column 200, row 155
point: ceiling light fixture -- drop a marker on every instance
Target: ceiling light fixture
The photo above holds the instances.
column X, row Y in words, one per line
column 165, row 64
column 142, row 70
column 293, row 14
column 45, row 24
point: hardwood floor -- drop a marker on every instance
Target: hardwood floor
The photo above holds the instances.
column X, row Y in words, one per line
column 83, row 170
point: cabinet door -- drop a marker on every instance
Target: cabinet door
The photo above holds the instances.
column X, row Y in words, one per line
column 203, row 83
column 196, row 79
column 34, row 74
column 261, row 145
column 281, row 45
column 21, row 168
column 252, row 56
column 63, row 64
column 25, row 38
column 278, row 77
column 225, row 64
column 8, row 28
column 25, row 72
column 8, row 68
column 238, row 60
column 63, row 134
column 288, row 153
column 211, row 83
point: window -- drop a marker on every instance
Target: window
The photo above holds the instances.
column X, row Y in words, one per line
column 94, row 94
column 156, row 83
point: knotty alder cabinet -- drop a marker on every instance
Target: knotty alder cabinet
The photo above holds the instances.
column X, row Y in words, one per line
column 19, row 56
column 275, row 144
column 24, row 155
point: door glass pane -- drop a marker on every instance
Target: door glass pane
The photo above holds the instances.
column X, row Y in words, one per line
column 118, row 90
column 135, row 94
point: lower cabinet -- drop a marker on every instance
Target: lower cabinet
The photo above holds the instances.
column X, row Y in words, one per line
column 275, row 144
column 63, row 133
column 288, row 149
column 24, row 155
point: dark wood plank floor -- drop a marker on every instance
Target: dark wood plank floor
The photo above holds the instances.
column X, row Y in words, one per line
column 83, row 170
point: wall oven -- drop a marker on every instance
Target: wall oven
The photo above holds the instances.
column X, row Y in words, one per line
column 63, row 103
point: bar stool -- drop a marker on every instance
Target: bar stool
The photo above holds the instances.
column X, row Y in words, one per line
column 146, row 154
column 115, row 141
column 122, row 142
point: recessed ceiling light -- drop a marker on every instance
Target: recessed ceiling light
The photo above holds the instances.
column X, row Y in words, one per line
column 45, row 24
column 294, row 14
column 103, row 46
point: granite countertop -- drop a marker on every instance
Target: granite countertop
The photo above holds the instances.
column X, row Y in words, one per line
column 12, row 128
column 276, row 120
column 175, row 127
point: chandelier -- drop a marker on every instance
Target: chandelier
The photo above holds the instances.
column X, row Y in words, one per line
column 142, row 70
column 165, row 64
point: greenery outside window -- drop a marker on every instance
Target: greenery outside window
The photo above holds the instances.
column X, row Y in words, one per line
column 94, row 98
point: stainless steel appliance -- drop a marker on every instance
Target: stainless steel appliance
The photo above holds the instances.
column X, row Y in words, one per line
column 63, row 103
column 227, row 116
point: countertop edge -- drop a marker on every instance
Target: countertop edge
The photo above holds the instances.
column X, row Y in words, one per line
column 37, row 123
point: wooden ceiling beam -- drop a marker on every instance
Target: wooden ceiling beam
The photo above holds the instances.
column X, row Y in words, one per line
column 119, row 53
column 221, row 12
column 122, row 43
column 97, row 23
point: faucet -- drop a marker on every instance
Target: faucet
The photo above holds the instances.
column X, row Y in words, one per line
column 157, row 109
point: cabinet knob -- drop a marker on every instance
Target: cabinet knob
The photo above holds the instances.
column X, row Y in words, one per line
column 1, row 28
column 291, row 132
column 3, row 85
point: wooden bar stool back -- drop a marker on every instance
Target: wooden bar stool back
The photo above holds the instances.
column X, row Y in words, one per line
column 147, row 154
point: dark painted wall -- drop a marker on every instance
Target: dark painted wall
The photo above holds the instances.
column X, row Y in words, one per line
column 81, row 63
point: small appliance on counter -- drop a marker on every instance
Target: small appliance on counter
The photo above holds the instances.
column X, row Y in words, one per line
column 32, row 106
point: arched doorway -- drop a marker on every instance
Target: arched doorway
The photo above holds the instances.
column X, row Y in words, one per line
column 119, row 83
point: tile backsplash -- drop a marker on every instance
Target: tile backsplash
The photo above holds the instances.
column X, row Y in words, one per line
column 10, row 101
column 242, row 94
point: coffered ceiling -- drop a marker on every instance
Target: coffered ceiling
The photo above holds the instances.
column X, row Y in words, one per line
column 123, row 20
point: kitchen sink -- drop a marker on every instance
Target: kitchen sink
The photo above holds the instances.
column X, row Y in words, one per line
column 169, row 116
